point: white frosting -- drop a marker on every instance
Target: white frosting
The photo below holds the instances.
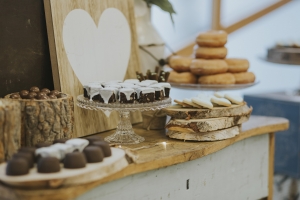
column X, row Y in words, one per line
column 143, row 84
column 134, row 81
column 114, row 85
column 144, row 90
column 107, row 92
column 63, row 149
column 94, row 90
column 124, row 85
column 165, row 85
column 127, row 91
column 78, row 143
column 156, row 87
column 132, row 86
column 111, row 82
column 150, row 81
column 48, row 152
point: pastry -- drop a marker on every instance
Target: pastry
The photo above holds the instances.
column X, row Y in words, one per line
column 212, row 38
column 180, row 64
column 159, row 91
column 191, row 103
column 225, row 78
column 244, row 77
column 219, row 94
column 220, row 101
column 126, row 95
column 211, row 53
column 145, row 94
column 237, row 65
column 204, row 102
column 234, row 99
column 182, row 103
column 108, row 95
column 183, row 77
column 208, row 67
column 167, row 88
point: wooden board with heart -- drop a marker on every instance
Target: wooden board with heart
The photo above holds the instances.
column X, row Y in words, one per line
column 91, row 40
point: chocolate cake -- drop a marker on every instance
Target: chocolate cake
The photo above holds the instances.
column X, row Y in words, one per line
column 134, row 81
column 93, row 154
column 145, row 95
column 126, row 95
column 104, row 146
column 167, row 88
column 74, row 160
column 48, row 165
column 17, row 167
column 94, row 90
column 159, row 91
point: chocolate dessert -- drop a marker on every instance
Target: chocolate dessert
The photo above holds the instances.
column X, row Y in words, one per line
column 36, row 94
column 167, row 88
column 93, row 139
column 159, row 91
column 42, row 144
column 27, row 156
column 62, row 140
column 93, row 154
column 145, row 94
column 108, row 95
column 17, row 167
column 30, row 150
column 104, row 146
column 74, row 160
column 126, row 95
column 48, row 165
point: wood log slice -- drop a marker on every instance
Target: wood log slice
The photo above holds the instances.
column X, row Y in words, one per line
column 177, row 112
column 10, row 131
column 205, row 125
column 208, row 136
column 46, row 120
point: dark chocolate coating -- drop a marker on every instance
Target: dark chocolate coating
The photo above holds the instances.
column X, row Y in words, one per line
column 48, row 165
column 61, row 95
column 54, row 92
column 34, row 89
column 17, row 167
column 51, row 96
column 74, row 160
column 43, row 97
column 93, row 154
column 27, row 156
column 15, row 96
column 40, row 145
column 30, row 150
column 62, row 140
column 23, row 94
column 31, row 95
column 93, row 139
column 45, row 90
column 40, row 94
column 104, row 146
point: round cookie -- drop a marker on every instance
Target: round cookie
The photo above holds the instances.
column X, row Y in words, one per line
column 236, row 65
column 222, row 79
column 234, row 99
column 220, row 101
column 244, row 77
column 211, row 53
column 180, row 64
column 204, row 102
column 212, row 38
column 183, row 77
column 191, row 103
column 208, row 67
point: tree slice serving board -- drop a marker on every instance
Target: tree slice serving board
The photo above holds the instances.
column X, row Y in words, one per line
column 208, row 136
column 205, row 125
column 67, row 177
column 177, row 112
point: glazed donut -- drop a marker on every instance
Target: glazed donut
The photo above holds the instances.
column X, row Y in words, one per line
column 222, row 79
column 208, row 67
column 244, row 77
column 183, row 77
column 236, row 65
column 211, row 53
column 180, row 64
column 212, row 39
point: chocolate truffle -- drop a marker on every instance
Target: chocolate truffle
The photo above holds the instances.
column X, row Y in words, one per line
column 54, row 92
column 31, row 95
column 17, row 167
column 61, row 95
column 40, row 145
column 40, row 94
column 48, row 165
column 27, row 156
column 43, row 97
column 93, row 139
column 104, row 146
column 34, row 89
column 15, row 96
column 74, row 160
column 62, row 140
column 93, row 154
column 51, row 96
column 45, row 90
column 24, row 94
column 30, row 150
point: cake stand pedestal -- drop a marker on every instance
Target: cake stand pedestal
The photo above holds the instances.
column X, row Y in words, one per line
column 124, row 133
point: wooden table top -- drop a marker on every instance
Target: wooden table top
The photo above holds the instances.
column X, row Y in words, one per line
column 153, row 154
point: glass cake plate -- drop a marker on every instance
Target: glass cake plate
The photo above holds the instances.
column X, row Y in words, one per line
column 124, row 133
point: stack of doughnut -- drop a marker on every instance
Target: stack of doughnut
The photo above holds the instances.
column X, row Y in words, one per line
column 210, row 65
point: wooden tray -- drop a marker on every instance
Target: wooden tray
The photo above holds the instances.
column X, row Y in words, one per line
column 67, row 177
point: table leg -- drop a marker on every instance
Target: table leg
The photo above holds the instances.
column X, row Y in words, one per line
column 271, row 163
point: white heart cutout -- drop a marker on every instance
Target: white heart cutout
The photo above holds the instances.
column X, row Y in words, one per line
column 97, row 53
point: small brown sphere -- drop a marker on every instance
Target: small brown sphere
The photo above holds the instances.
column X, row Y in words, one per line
column 51, row 96
column 17, row 167
column 43, row 97
column 34, row 89
column 54, row 92
column 40, row 94
column 31, row 95
column 15, row 96
column 24, row 94
column 45, row 90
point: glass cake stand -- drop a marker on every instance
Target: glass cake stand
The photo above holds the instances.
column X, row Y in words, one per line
column 124, row 133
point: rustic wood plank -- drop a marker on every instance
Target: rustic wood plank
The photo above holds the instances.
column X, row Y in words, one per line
column 271, row 163
column 154, row 154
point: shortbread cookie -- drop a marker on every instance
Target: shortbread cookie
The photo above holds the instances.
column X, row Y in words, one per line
column 219, row 79
column 204, row 102
column 208, row 67
column 189, row 102
column 234, row 99
column 182, row 103
column 180, row 63
column 220, row 101
column 219, row 94
column 244, row 77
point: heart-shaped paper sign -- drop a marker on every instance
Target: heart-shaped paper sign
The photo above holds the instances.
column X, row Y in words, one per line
column 97, row 53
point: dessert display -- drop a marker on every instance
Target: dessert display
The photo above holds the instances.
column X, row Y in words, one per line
column 210, row 65
column 69, row 159
column 35, row 93
column 207, row 117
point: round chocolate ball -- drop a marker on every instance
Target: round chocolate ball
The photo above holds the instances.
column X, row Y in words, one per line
column 51, row 96
column 93, row 139
column 93, row 154
column 15, row 96
column 48, row 165
column 104, row 146
column 43, row 98
column 31, row 95
column 17, row 167
column 27, row 156
column 61, row 95
column 42, row 144
column 34, row 89
column 30, row 150
column 62, row 140
column 23, row 94
column 45, row 90
column 40, row 94
column 74, row 160
column 54, row 92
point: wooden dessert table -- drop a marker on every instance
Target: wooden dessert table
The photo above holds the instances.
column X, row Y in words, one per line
column 164, row 168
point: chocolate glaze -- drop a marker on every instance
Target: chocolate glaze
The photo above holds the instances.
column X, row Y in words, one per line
column 104, row 146
column 48, row 165
column 17, row 167
column 74, row 160
column 93, row 154
column 27, row 156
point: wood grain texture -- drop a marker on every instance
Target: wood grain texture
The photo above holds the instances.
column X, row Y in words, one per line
column 271, row 164
column 86, row 122
column 152, row 154
column 10, row 131
column 208, row 136
column 205, row 125
column 47, row 120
